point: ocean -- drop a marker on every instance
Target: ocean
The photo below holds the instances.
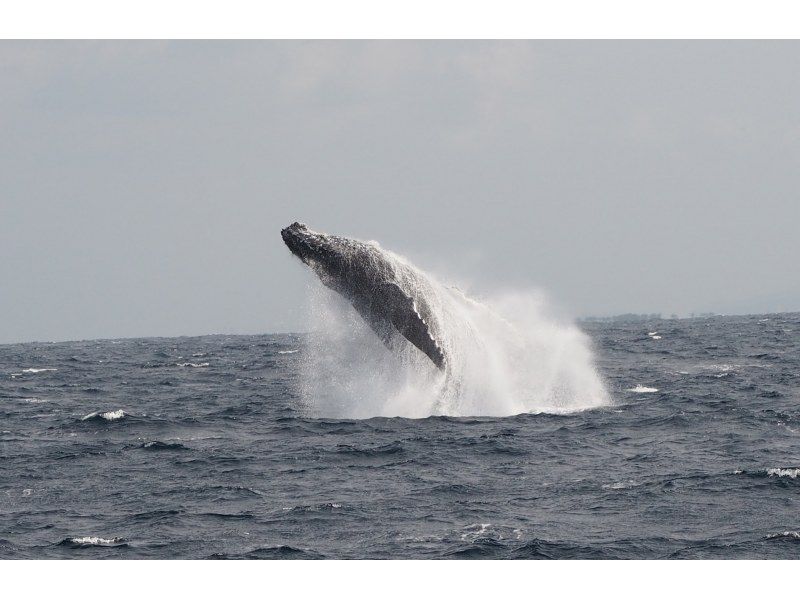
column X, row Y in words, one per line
column 206, row 448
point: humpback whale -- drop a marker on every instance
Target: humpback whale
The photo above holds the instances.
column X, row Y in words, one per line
column 391, row 297
column 449, row 354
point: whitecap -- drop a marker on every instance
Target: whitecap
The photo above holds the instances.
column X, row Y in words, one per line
column 642, row 389
column 193, row 365
column 487, row 531
column 94, row 541
column 288, row 351
column 652, row 334
column 655, row 337
column 113, row 415
column 783, row 473
column 108, row 415
column 786, row 534
column 477, row 530
column 37, row 370
column 621, row 485
column 615, row 486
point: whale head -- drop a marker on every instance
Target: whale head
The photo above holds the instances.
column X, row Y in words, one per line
column 306, row 244
column 330, row 257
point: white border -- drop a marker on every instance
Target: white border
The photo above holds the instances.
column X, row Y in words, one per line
column 597, row 19
column 406, row 579
column 400, row 19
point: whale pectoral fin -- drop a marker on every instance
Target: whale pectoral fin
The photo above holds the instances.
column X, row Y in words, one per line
column 407, row 320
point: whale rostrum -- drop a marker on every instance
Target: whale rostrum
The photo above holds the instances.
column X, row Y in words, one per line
column 390, row 296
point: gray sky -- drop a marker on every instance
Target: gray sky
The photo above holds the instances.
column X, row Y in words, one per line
column 143, row 185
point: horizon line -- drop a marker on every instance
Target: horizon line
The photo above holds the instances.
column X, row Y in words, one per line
column 643, row 317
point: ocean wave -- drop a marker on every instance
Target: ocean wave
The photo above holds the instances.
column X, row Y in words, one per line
column 328, row 506
column 791, row 535
column 476, row 531
column 158, row 445
column 378, row 451
column 450, row 488
column 429, row 539
column 205, row 364
column 107, row 415
column 479, row 532
column 240, row 490
column 771, row 472
column 92, row 541
column 226, row 516
column 271, row 552
column 620, row 485
column 481, row 548
column 156, row 515
column 724, row 369
column 783, row 472
column 642, row 389
column 721, row 444
column 282, row 552
column 7, row 547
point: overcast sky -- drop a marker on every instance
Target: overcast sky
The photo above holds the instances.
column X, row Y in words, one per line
column 143, row 185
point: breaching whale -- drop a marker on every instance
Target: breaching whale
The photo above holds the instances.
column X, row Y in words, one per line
column 390, row 296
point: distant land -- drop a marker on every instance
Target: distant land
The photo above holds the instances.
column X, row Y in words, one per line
column 645, row 317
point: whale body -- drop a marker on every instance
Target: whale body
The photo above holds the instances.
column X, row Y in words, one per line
column 393, row 298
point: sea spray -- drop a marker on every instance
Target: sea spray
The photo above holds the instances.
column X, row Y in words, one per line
column 505, row 355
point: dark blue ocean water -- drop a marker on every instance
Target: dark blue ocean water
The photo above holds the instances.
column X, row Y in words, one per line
column 199, row 448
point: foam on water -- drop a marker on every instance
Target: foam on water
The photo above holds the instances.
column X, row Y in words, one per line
column 93, row 541
column 642, row 389
column 108, row 415
column 787, row 534
column 783, row 472
column 505, row 356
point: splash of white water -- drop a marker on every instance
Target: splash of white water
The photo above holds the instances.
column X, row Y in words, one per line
column 505, row 356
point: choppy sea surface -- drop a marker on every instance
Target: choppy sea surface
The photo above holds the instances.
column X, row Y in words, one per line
column 201, row 448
